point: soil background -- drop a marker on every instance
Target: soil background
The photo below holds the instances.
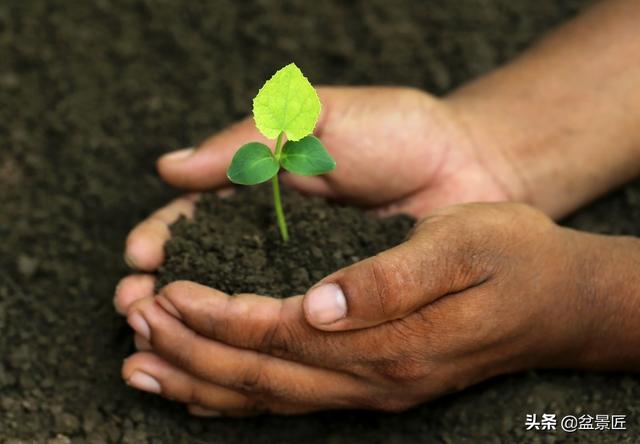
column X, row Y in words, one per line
column 92, row 93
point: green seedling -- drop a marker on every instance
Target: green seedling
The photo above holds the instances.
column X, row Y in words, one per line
column 286, row 106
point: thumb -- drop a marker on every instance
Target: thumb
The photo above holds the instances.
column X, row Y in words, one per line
column 206, row 166
column 432, row 263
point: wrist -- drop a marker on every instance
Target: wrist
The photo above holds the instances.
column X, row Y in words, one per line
column 590, row 307
column 491, row 144
column 567, row 128
column 526, row 144
column 610, row 270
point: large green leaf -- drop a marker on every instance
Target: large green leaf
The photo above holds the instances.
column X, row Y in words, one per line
column 287, row 102
column 253, row 163
column 307, row 157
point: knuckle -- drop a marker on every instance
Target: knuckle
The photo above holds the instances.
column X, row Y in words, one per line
column 283, row 334
column 176, row 289
column 470, row 240
column 278, row 339
column 386, row 276
column 267, row 339
column 181, row 349
column 252, row 378
column 194, row 395
column 274, row 333
column 218, row 324
column 402, row 371
column 531, row 216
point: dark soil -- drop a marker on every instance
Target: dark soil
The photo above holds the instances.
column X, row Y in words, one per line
column 234, row 245
column 91, row 94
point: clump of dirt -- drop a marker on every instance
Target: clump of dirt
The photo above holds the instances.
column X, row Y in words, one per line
column 234, row 245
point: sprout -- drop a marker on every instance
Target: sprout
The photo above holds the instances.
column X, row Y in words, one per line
column 286, row 106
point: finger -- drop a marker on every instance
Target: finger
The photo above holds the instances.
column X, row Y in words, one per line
column 273, row 326
column 440, row 258
column 148, row 372
column 145, row 243
column 141, row 343
column 246, row 371
column 314, row 185
column 206, row 166
column 130, row 289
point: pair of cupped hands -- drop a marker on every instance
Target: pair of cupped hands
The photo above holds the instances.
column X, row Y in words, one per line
column 477, row 289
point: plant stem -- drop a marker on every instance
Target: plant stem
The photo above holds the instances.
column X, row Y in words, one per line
column 277, row 202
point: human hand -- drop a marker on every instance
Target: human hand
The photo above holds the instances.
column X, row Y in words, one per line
column 398, row 150
column 477, row 290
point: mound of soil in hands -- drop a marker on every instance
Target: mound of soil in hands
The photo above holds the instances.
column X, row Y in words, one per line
column 233, row 244
column 93, row 92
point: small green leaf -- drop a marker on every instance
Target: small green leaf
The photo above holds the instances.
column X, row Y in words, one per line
column 287, row 102
column 307, row 157
column 253, row 163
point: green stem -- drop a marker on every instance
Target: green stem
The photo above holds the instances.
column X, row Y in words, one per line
column 282, row 224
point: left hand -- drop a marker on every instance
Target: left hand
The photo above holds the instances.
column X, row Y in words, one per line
column 478, row 290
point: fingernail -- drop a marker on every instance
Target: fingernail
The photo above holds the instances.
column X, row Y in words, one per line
column 129, row 261
column 178, row 155
column 196, row 410
column 143, row 381
column 138, row 323
column 326, row 304
column 141, row 343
